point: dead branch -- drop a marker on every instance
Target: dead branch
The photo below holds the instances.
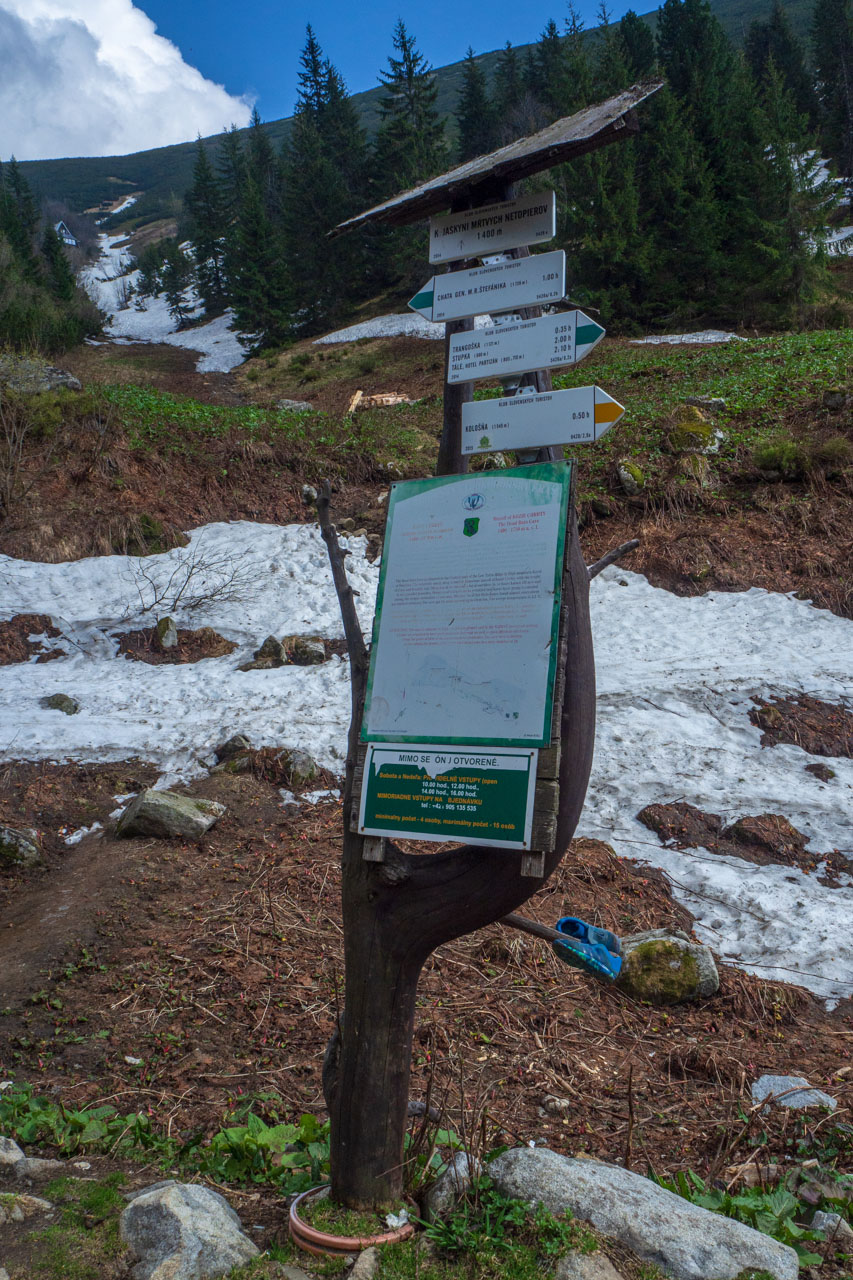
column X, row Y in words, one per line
column 356, row 647
column 612, row 556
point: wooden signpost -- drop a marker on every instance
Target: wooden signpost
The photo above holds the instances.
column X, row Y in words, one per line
column 474, row 714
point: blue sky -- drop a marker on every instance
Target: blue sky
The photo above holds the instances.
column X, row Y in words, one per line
column 253, row 48
column 111, row 77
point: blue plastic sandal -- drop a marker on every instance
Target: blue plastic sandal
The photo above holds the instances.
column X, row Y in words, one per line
column 596, row 951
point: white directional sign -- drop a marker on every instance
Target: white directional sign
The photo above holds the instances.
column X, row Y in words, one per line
column 522, row 282
column 530, row 421
column 530, row 219
column 528, row 344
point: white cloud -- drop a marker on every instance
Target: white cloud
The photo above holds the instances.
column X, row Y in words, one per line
column 93, row 78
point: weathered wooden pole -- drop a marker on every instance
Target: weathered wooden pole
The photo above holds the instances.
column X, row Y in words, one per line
column 398, row 908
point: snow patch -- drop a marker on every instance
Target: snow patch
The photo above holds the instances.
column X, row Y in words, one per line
column 112, row 284
column 705, row 335
column 676, row 679
column 402, row 325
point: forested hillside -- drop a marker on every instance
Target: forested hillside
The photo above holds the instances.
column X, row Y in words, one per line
column 717, row 211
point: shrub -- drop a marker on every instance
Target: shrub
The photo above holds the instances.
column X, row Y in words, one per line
column 783, row 454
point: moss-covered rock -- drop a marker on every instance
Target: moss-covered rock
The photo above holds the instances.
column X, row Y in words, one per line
column 19, row 847
column 664, row 967
column 631, row 476
column 60, row 702
column 690, row 430
column 304, row 651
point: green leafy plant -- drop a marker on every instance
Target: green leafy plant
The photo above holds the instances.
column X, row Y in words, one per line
column 772, row 1212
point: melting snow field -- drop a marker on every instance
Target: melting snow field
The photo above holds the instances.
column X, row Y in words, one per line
column 110, row 283
column 675, row 678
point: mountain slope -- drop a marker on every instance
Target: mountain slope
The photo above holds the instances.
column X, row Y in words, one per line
column 165, row 173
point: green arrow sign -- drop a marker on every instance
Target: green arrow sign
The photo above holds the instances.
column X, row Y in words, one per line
column 503, row 286
column 528, row 344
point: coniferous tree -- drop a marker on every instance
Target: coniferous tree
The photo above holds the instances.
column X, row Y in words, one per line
column 638, row 46
column 207, row 230
column 59, row 275
column 411, row 143
column 552, row 84
column 475, row 114
column 509, row 82
column 832, row 51
column 258, row 278
column 774, row 41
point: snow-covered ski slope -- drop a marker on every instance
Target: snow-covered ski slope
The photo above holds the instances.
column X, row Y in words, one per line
column 676, row 679
column 111, row 283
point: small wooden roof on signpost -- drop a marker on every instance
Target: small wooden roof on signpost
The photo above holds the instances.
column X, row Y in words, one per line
column 565, row 139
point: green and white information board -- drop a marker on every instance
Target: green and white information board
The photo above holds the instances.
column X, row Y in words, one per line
column 481, row 797
column 465, row 635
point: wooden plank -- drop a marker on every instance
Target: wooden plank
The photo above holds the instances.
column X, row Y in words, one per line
column 374, row 849
column 533, row 865
column 565, row 139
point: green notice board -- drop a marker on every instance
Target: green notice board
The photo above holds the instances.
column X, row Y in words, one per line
column 444, row 793
column 468, row 608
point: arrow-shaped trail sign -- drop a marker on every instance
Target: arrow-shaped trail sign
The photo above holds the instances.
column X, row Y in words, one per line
column 528, row 344
column 531, row 421
column 504, row 286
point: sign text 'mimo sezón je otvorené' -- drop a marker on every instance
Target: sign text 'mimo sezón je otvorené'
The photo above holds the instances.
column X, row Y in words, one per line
column 527, row 421
column 504, row 349
column 467, row 612
column 482, row 796
column 530, row 219
column 502, row 286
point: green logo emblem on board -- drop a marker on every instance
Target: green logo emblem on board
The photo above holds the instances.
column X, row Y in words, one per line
column 471, row 526
column 484, row 442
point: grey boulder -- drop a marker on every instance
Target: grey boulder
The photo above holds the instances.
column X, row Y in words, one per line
column 164, row 813
column 790, row 1091
column 305, row 651
column 19, row 847
column 299, row 766
column 236, row 745
column 664, row 966
column 167, row 633
column 179, row 1231
column 686, row 1241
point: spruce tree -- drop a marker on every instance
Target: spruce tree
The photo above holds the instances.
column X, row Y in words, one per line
column 832, row 52
column 552, row 83
column 774, row 41
column 258, row 278
column 475, row 114
column 411, row 144
column 638, row 46
column 207, row 230
column 60, row 277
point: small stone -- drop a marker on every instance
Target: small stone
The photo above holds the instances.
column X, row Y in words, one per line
column 835, row 398
column 345, row 525
column 360, row 533
column 710, row 404
column 299, row 765
column 366, row 1264
column 167, row 633
column 630, row 476
column 273, row 649
column 19, row 847
column 309, row 495
column 305, row 651
column 17, row 1208
column 289, row 803
column 33, row 1167
column 586, row 1266
column 790, row 1091
column 236, row 745
column 555, row 1106
column 260, row 664
column 601, row 508
column 4, row 1274
column 664, row 966
column 164, row 813
column 10, row 1152
column 60, row 702
column 821, row 771
column 295, row 406
column 834, row 1228
column 447, row 1189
